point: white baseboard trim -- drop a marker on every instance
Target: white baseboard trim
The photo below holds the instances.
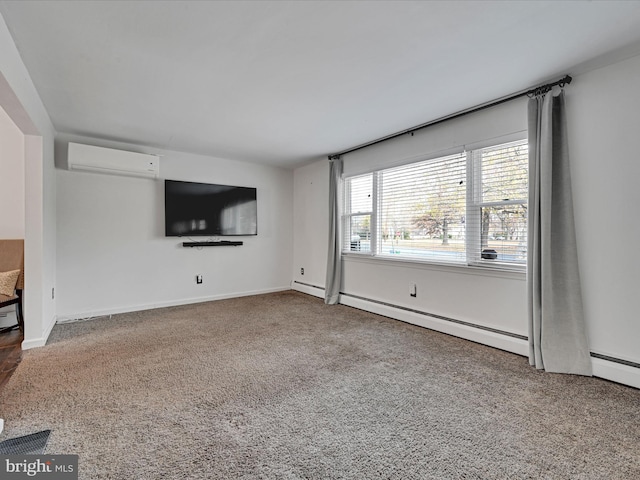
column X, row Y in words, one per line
column 492, row 339
column 602, row 368
column 616, row 372
column 42, row 341
column 308, row 289
column 478, row 335
column 74, row 317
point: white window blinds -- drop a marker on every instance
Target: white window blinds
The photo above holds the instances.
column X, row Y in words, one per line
column 422, row 209
column 467, row 208
column 499, row 204
column 358, row 214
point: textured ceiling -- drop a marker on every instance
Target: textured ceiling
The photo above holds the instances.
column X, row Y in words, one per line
column 281, row 83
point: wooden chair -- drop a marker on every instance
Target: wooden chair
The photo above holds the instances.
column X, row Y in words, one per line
column 12, row 258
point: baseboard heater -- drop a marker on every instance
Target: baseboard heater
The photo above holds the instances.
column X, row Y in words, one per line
column 427, row 314
column 223, row 243
column 480, row 327
column 439, row 317
column 615, row 360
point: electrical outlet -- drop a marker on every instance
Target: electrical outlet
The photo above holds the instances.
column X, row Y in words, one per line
column 302, row 271
column 198, row 279
column 53, row 293
column 413, row 290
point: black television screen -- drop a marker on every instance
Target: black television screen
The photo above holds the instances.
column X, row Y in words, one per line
column 203, row 209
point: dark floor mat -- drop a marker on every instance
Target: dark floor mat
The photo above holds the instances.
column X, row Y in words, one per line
column 33, row 444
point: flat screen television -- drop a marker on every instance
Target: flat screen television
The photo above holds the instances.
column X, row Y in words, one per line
column 204, row 209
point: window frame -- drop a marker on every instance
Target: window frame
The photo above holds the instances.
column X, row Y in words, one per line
column 347, row 215
column 473, row 216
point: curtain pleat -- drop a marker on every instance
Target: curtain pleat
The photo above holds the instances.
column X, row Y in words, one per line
column 334, row 254
column 557, row 331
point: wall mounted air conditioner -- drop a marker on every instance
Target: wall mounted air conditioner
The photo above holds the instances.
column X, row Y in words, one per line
column 115, row 162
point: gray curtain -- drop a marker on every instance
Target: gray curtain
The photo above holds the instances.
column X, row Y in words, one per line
column 334, row 254
column 557, row 333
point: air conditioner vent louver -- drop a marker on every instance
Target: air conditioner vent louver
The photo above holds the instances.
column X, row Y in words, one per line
column 114, row 162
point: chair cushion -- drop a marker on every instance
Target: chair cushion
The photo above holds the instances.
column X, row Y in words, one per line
column 8, row 282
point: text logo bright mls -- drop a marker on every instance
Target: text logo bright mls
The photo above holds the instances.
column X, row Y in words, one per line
column 51, row 467
column 31, row 468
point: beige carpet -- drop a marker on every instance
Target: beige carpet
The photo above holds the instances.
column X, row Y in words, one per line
column 281, row 386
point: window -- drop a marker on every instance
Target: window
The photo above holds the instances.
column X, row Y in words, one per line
column 468, row 208
column 359, row 202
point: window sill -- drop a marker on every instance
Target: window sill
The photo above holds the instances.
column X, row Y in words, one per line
column 513, row 272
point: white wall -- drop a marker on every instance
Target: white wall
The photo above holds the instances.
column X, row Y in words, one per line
column 500, row 124
column 603, row 119
column 112, row 252
column 311, row 221
column 604, row 124
column 12, row 178
column 19, row 98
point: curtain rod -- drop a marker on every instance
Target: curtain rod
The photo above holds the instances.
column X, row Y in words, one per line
column 540, row 90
